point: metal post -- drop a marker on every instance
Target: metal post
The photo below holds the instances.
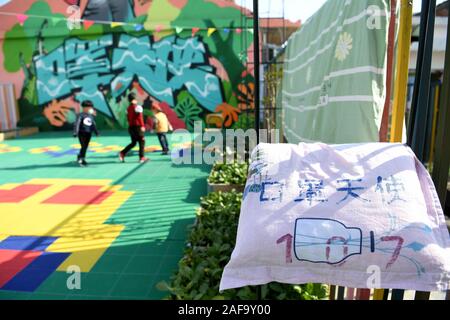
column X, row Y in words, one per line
column 420, row 295
column 363, row 294
column 401, row 82
column 332, row 292
column 378, row 294
column 421, row 98
column 341, row 293
column 442, row 153
column 420, row 103
column 397, row 294
column 389, row 73
column 257, row 64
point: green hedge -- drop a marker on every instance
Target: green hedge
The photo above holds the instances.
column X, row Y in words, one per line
column 209, row 249
column 233, row 173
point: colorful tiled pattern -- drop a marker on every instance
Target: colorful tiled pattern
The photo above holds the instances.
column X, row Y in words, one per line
column 124, row 225
column 54, row 151
column 4, row 148
column 62, row 209
column 25, row 263
column 45, row 149
column 93, row 144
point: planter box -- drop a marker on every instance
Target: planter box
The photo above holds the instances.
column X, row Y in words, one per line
column 212, row 187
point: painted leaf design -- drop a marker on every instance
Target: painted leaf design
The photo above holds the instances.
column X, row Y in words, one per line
column 246, row 96
column 188, row 110
column 229, row 113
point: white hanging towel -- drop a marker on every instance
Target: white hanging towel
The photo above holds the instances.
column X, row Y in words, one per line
column 360, row 216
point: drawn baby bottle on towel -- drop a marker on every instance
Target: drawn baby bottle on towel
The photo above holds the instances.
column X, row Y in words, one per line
column 326, row 241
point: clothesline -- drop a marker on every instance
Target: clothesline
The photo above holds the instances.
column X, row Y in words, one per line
column 21, row 18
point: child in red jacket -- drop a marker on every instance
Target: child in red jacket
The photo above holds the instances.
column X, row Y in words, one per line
column 136, row 129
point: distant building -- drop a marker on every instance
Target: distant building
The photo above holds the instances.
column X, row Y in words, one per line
column 275, row 32
column 440, row 36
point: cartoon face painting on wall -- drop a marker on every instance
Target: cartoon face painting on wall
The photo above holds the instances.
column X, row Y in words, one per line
column 119, row 48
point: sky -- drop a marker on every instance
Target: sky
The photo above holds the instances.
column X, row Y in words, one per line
column 297, row 9
column 293, row 9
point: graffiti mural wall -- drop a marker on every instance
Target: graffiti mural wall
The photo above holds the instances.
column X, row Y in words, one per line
column 192, row 57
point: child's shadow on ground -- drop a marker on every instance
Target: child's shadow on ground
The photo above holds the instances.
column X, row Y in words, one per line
column 129, row 155
column 70, row 164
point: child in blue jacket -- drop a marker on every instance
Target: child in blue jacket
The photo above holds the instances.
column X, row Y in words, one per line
column 83, row 128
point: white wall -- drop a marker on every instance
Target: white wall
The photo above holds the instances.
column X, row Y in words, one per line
column 440, row 38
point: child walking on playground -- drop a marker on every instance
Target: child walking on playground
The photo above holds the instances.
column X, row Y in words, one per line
column 162, row 126
column 83, row 128
column 136, row 129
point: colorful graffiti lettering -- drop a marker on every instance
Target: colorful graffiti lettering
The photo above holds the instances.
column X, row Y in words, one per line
column 165, row 67
column 77, row 65
column 84, row 66
column 195, row 74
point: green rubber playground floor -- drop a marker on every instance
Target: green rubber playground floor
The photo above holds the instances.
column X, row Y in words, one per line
column 147, row 212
